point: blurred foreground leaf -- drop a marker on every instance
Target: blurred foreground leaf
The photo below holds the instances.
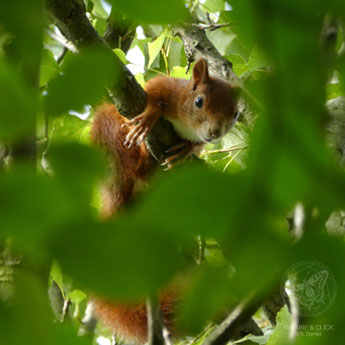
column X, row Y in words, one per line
column 151, row 11
column 17, row 104
column 82, row 81
column 118, row 260
column 28, row 317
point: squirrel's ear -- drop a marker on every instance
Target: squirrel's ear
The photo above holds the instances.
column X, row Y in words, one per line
column 200, row 72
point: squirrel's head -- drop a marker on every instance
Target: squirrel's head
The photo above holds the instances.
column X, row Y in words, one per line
column 212, row 104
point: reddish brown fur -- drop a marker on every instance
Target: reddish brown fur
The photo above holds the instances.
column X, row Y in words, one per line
column 175, row 99
column 129, row 321
column 127, row 165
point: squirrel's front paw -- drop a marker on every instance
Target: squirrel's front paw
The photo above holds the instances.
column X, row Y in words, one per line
column 179, row 152
column 141, row 126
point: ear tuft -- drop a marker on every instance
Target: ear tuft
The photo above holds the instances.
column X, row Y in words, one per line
column 200, row 72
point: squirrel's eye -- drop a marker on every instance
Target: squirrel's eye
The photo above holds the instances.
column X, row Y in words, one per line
column 199, row 102
column 236, row 115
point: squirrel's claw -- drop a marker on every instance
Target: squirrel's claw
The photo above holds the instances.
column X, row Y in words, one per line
column 177, row 147
column 137, row 134
column 140, row 127
column 182, row 151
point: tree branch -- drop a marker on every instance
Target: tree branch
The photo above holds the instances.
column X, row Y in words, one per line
column 4, row 155
column 68, row 45
column 70, row 17
column 197, row 45
column 234, row 324
column 73, row 23
column 154, row 322
column 119, row 32
column 274, row 303
column 211, row 27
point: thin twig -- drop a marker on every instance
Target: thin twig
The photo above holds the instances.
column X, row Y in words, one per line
column 165, row 61
column 234, row 322
column 212, row 26
column 228, row 149
column 201, row 251
column 89, row 321
column 232, row 159
column 62, row 55
column 154, row 322
column 67, row 44
column 65, row 309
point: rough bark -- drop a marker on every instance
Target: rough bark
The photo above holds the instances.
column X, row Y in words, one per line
column 127, row 94
column 8, row 263
column 336, row 141
column 197, row 45
column 119, row 32
column 237, row 321
column 70, row 17
column 273, row 304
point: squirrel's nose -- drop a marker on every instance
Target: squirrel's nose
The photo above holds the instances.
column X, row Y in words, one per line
column 214, row 133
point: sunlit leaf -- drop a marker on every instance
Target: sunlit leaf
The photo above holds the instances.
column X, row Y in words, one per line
column 121, row 55
column 49, row 67
column 281, row 333
column 156, row 46
column 56, row 275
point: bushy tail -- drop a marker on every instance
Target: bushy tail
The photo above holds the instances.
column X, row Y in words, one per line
column 127, row 166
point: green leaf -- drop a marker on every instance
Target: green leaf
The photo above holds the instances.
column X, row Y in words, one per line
column 25, row 44
column 206, row 281
column 280, row 336
column 257, row 59
column 222, row 39
column 42, row 204
column 176, row 53
column 156, row 46
column 56, row 275
column 17, row 104
column 181, row 212
column 121, row 55
column 98, row 9
column 239, row 65
column 179, row 72
column 254, row 339
column 100, row 25
column 334, row 90
column 79, row 167
column 49, row 67
column 77, row 296
column 29, row 317
column 139, row 77
column 83, row 81
column 151, row 11
column 67, row 128
column 116, row 259
column 214, row 5
column 220, row 285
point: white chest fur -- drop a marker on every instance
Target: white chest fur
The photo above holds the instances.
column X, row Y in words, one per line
column 185, row 132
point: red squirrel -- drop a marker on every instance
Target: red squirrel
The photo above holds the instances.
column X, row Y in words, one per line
column 201, row 110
